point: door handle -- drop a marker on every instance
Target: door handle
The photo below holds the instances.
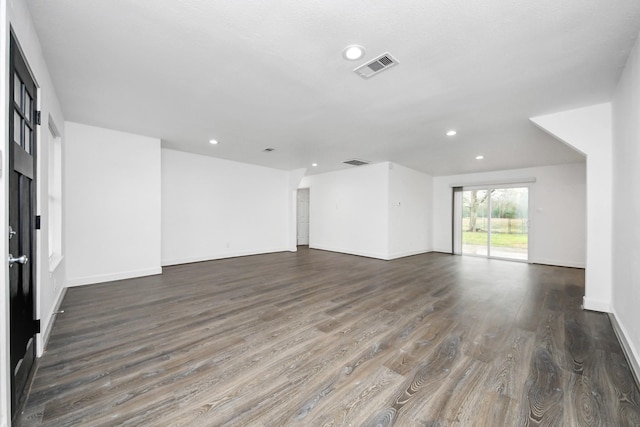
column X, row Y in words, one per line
column 20, row 260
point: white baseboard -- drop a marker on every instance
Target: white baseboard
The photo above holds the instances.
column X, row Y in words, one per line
column 101, row 278
column 370, row 254
column 211, row 257
column 559, row 263
column 409, row 253
column 630, row 351
column 349, row 252
column 442, row 250
column 44, row 336
column 596, row 305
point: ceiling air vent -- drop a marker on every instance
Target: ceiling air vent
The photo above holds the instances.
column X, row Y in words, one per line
column 356, row 162
column 378, row 65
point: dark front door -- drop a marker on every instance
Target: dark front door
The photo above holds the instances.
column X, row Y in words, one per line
column 22, row 208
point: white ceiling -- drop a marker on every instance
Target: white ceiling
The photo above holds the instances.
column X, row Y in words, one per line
column 258, row 74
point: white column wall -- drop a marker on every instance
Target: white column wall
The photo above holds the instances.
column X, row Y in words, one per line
column 589, row 131
column 112, row 192
column 410, row 211
column 379, row 211
column 626, row 206
column 348, row 210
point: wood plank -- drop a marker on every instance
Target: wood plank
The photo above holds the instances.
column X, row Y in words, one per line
column 320, row 338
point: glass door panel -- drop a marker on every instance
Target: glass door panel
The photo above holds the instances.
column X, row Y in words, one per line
column 509, row 223
column 475, row 222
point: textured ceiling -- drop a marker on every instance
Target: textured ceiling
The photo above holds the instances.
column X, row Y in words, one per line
column 258, row 74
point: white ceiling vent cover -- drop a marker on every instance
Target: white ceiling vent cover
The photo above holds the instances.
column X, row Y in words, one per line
column 378, row 65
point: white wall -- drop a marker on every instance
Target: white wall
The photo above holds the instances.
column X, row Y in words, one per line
column 626, row 206
column 112, row 192
column 213, row 208
column 410, row 210
column 356, row 211
column 558, row 219
column 5, row 378
column 348, row 210
column 589, row 131
column 15, row 15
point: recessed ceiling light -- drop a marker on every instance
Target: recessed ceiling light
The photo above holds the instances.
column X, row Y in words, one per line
column 451, row 132
column 213, row 141
column 353, row 52
column 314, row 164
column 479, row 157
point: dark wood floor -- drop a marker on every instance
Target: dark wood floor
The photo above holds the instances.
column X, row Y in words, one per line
column 324, row 339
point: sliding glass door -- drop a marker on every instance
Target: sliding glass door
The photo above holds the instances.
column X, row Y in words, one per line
column 495, row 222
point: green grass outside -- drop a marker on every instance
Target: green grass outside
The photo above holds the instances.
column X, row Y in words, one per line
column 497, row 239
column 499, row 225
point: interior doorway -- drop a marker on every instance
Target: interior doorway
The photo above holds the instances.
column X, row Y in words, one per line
column 303, row 217
column 492, row 222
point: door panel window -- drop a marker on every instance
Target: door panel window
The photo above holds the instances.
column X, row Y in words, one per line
column 27, row 137
column 17, row 90
column 27, row 107
column 17, row 126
